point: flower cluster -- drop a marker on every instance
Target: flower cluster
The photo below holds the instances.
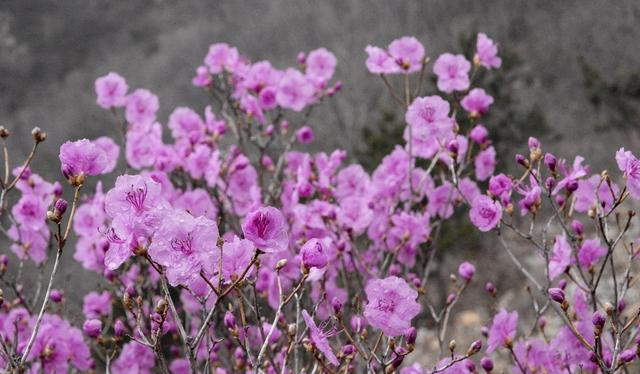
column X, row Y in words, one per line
column 224, row 244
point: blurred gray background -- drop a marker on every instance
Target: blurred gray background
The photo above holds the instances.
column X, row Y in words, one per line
column 576, row 72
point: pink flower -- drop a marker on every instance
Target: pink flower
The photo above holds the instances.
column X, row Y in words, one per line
column 452, row 72
column 379, row 61
column 590, row 252
column 320, row 65
column 354, row 213
column 294, row 91
column 476, row 102
column 319, row 338
column 503, row 330
column 485, row 213
column 30, row 212
column 198, row 161
column 487, row 52
column 266, row 227
column 220, row 57
column 29, row 243
column 428, row 111
column 408, row 53
column 485, row 163
column 142, row 106
column 391, row 305
column 197, row 202
column 97, row 305
column 630, row 166
column 111, row 90
column 185, row 123
column 466, row 270
column 82, row 157
column 111, row 150
column 441, row 200
column 135, row 358
column 143, row 144
column 560, row 258
column 586, row 197
column 133, row 195
column 236, row 256
column 314, row 254
column 501, row 186
column 185, row 246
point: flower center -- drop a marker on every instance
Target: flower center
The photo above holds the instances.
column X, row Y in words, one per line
column 261, row 222
column 137, row 196
column 386, row 305
column 183, row 245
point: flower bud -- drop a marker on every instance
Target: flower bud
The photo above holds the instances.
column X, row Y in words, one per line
column 453, row 147
column 357, row 324
column 92, row 328
column 520, row 159
column 557, row 295
column 621, row 305
column 627, row 356
column 542, row 322
column 411, row 335
column 284, row 126
column 55, row 296
column 550, row 183
column 38, row 135
column 119, row 328
column 562, row 284
column 267, row 162
column 608, row 308
column 491, row 289
column 305, row 135
column 560, row 200
column 229, row 320
column 598, row 319
column 572, row 185
column 452, row 345
column 470, row 365
column 550, row 161
column 451, row 298
column 577, row 227
column 280, row 264
column 313, row 254
column 60, row 207
column 269, row 130
column 474, row 348
column 533, row 143
column 487, row 364
column 466, row 270
column 348, row 350
column 4, row 133
column 336, row 304
column 302, row 58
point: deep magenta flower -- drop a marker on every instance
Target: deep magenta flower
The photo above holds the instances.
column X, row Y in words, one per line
column 92, row 327
column 485, row 213
column 185, row 246
column 267, row 228
column 111, row 90
column 319, row 338
column 391, row 305
column 82, row 157
column 486, row 52
column 503, row 330
column 452, row 72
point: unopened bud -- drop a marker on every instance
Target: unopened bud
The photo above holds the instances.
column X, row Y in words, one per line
column 4, row 133
column 487, row 364
column 452, row 345
column 474, row 348
column 38, row 135
column 280, row 264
